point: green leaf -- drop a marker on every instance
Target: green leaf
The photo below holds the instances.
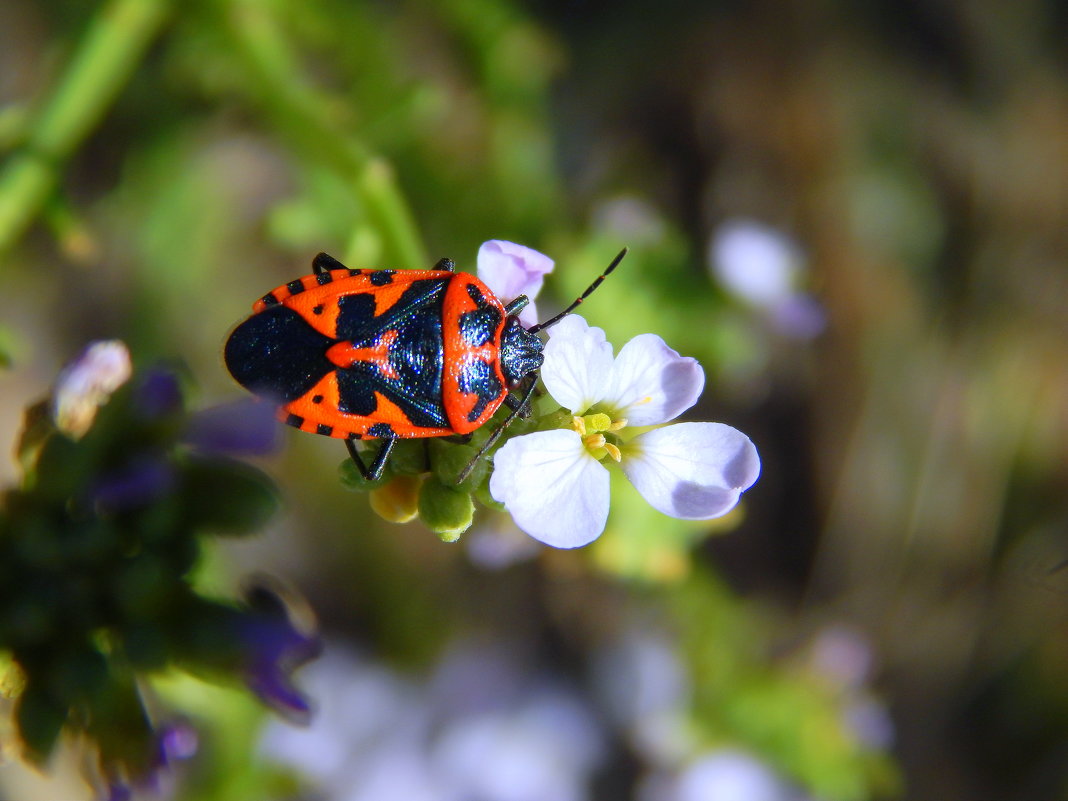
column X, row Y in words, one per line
column 39, row 719
column 227, row 497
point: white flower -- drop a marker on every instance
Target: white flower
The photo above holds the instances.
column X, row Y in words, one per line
column 553, row 482
column 511, row 270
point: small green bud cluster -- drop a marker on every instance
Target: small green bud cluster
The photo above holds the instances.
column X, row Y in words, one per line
column 96, row 549
column 420, row 478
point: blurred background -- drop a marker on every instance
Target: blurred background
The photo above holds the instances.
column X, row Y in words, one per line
column 853, row 215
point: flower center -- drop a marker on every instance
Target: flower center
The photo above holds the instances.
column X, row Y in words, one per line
column 592, row 429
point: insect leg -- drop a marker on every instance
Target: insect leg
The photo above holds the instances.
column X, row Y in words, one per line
column 520, row 402
column 445, row 264
column 374, row 472
column 324, row 263
column 496, row 435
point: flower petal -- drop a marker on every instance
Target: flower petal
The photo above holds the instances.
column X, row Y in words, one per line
column 692, row 471
column 651, row 383
column 511, row 270
column 554, row 490
column 578, row 364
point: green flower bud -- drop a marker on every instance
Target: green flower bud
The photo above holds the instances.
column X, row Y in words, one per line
column 448, row 460
column 353, row 479
column 408, row 457
column 445, row 510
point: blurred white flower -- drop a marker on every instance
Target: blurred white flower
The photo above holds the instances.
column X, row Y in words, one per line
column 763, row 267
column 499, row 547
column 540, row 750
column 553, row 482
column 726, row 775
column 844, row 656
column 645, row 690
column 85, row 385
column 479, row 728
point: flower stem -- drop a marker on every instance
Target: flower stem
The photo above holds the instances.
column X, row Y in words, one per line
column 110, row 50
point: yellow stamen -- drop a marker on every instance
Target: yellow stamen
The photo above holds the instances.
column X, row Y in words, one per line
column 579, row 425
column 613, row 451
column 594, row 441
column 618, row 425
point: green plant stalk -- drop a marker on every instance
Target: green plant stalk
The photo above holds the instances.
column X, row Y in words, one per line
column 109, row 52
column 309, row 117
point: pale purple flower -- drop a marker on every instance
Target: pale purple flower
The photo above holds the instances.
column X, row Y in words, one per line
column 554, row 484
column 511, row 270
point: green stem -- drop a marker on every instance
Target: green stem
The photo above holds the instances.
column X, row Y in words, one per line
column 309, row 117
column 109, row 52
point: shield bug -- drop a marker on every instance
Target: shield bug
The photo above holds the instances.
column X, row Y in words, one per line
column 390, row 354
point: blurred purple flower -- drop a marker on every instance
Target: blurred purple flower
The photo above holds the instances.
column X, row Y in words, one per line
column 140, row 482
column 799, row 317
column 176, row 741
column 273, row 648
column 158, row 393
column 246, row 427
column 870, row 721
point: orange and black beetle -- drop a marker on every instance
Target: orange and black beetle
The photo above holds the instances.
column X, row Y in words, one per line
column 388, row 354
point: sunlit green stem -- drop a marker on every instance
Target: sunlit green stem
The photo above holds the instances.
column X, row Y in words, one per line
column 108, row 54
column 311, row 118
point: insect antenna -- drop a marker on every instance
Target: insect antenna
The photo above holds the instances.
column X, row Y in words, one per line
column 578, row 301
column 496, row 435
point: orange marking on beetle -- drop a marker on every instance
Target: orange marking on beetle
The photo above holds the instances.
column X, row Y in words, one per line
column 326, row 411
column 344, row 355
column 387, row 295
column 459, row 353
